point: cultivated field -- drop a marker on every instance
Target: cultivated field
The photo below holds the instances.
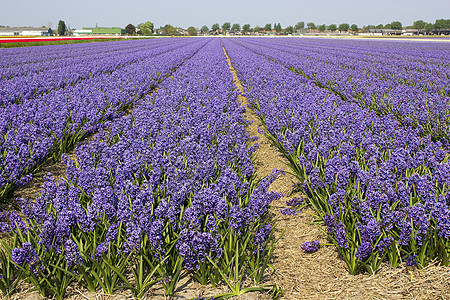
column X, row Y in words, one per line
column 167, row 154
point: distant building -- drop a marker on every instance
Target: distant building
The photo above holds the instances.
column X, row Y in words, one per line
column 181, row 31
column 83, row 31
column 107, row 30
column 385, row 32
column 443, row 31
column 25, row 31
column 373, row 31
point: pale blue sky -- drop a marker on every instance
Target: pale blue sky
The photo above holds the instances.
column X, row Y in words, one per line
column 88, row 13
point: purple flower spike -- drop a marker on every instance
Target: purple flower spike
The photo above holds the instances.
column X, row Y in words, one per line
column 364, row 251
column 310, row 247
column 411, row 260
column 72, row 256
column 26, row 255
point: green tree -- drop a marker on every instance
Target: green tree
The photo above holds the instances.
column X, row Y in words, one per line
column 147, row 28
column 61, row 27
column 419, row 24
column 277, row 27
column 289, row 30
column 429, row 27
column 299, row 25
column 236, row 27
column 130, row 29
column 256, row 29
column 311, row 26
column 204, row 29
column 246, row 28
column 268, row 27
column 226, row 27
column 396, row 25
column 379, row 26
column 344, row 27
column 332, row 27
column 441, row 24
column 215, row 27
column 354, row 27
column 169, row 30
column 192, row 31
column 322, row 27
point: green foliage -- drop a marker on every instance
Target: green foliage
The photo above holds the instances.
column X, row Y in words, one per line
column 419, row 24
column 311, row 26
column 234, row 273
column 215, row 27
column 256, row 29
column 192, row 31
column 236, row 27
column 144, row 268
column 268, row 27
column 169, row 30
column 289, row 30
column 299, row 25
column 396, row 25
column 429, row 27
column 246, row 28
column 226, row 27
column 442, row 24
column 354, row 27
column 322, row 27
column 61, row 28
column 332, row 27
column 344, row 27
column 277, row 27
column 49, row 274
column 204, row 29
column 9, row 274
column 147, row 28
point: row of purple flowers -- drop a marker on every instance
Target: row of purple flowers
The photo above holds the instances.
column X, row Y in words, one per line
column 380, row 185
column 32, row 79
column 377, row 75
column 165, row 192
column 43, row 127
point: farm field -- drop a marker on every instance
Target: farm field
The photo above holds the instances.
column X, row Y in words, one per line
column 172, row 150
column 17, row 42
column 49, row 39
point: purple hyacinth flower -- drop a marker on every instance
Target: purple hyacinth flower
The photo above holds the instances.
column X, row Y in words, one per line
column 310, row 247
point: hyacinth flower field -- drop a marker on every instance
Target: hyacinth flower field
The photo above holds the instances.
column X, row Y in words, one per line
column 377, row 175
column 164, row 183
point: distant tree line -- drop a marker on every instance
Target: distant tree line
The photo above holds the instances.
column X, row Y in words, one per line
column 301, row 26
column 276, row 28
column 147, row 28
column 424, row 27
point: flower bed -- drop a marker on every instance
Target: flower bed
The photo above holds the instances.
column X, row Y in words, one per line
column 379, row 185
column 165, row 192
column 43, row 127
